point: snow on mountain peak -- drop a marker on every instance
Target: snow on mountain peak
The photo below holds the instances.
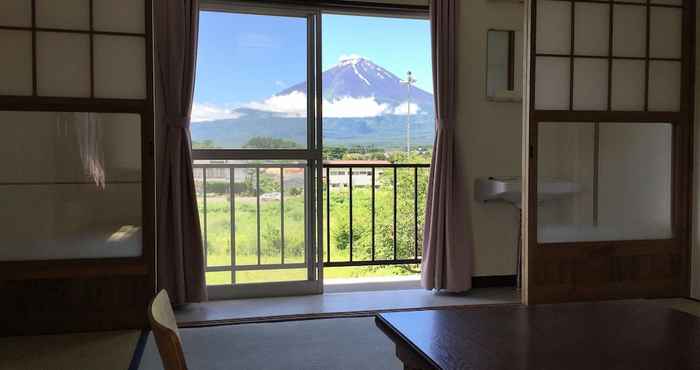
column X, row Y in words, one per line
column 351, row 59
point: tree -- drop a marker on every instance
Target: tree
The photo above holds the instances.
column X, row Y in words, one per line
column 406, row 207
column 205, row 144
column 261, row 142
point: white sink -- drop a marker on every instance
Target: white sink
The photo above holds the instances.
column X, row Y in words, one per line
column 508, row 188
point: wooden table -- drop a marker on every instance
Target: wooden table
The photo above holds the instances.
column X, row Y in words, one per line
column 635, row 335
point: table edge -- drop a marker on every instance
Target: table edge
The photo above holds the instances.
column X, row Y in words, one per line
column 394, row 334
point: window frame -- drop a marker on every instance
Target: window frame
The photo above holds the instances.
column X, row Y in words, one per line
column 314, row 11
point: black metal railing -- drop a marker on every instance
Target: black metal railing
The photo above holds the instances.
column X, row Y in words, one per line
column 373, row 184
column 220, row 191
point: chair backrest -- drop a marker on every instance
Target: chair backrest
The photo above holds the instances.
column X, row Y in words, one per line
column 164, row 326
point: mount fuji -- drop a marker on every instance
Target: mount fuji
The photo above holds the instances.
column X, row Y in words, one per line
column 363, row 104
column 358, row 77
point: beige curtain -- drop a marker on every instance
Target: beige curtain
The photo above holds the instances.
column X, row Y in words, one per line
column 180, row 257
column 447, row 247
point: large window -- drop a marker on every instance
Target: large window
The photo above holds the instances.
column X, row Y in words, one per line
column 275, row 126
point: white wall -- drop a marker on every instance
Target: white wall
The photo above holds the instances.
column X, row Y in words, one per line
column 489, row 133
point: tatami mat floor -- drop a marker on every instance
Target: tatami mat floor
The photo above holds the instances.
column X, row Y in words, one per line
column 334, row 303
column 339, row 343
column 111, row 350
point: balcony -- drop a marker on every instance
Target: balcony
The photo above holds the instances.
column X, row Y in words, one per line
column 256, row 225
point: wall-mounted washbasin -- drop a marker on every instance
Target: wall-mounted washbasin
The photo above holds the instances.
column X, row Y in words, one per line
column 508, row 188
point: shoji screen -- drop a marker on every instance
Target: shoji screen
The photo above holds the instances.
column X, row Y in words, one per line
column 73, row 48
column 608, row 56
column 76, row 166
column 608, row 138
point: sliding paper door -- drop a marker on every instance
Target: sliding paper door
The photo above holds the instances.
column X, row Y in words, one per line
column 606, row 149
column 77, row 237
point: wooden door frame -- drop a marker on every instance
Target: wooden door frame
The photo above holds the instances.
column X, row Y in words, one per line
column 54, row 296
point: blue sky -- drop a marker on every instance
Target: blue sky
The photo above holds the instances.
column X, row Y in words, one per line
column 246, row 58
column 398, row 45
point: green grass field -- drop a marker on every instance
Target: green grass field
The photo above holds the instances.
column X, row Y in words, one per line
column 218, row 230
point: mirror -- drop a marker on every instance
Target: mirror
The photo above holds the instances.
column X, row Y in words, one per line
column 503, row 78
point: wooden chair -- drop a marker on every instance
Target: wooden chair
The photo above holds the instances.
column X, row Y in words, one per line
column 164, row 326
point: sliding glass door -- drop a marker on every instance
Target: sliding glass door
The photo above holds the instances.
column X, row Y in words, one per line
column 257, row 150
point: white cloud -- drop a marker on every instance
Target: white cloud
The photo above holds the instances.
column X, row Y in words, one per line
column 403, row 108
column 292, row 104
column 209, row 112
column 346, row 107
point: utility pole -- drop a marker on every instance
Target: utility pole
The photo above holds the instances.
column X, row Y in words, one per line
column 409, row 81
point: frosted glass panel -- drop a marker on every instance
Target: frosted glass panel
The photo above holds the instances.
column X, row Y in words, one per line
column 664, row 86
column 63, row 64
column 553, row 27
column 635, row 179
column 590, row 84
column 70, row 185
column 665, row 32
column 629, row 31
column 565, row 160
column 552, row 83
column 70, row 147
column 629, row 199
column 16, row 66
column 42, row 222
column 119, row 16
column 17, row 13
column 120, row 67
column 65, row 14
column 592, row 29
column 628, row 85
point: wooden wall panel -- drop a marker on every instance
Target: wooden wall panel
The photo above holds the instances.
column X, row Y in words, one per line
column 590, row 273
column 72, row 305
